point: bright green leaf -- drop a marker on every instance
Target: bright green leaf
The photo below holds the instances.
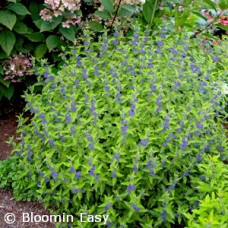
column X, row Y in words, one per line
column 223, row 4
column 7, row 41
column 8, row 19
column 18, row 8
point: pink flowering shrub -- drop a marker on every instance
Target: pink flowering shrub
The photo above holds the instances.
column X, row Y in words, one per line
column 16, row 67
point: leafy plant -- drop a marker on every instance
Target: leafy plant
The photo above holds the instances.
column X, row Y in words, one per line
column 122, row 129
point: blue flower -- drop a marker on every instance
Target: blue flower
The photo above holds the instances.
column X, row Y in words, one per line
column 131, row 113
column 54, row 174
column 130, row 188
column 51, row 143
column 68, row 119
column 136, row 208
column 78, row 175
column 91, row 171
column 114, row 175
column 160, row 43
column 75, row 190
column 72, row 170
column 199, row 126
column 135, row 168
column 184, row 144
column 164, row 215
column 107, row 206
column 91, row 146
column 73, row 107
column 144, row 142
column 153, row 87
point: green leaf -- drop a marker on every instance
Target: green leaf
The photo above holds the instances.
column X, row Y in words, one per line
column 6, row 83
column 7, row 92
column 224, row 27
column 68, row 33
column 103, row 14
column 18, row 8
column 108, row 5
column 19, row 47
column 45, row 26
column 7, row 41
column 40, row 51
column 126, row 10
column 35, row 37
column 35, row 9
column 56, row 22
column 148, row 10
column 52, row 42
column 97, row 27
column 211, row 4
column 197, row 13
column 8, row 19
column 21, row 28
column 223, row 4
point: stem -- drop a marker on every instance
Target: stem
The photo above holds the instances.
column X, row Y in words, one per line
column 118, row 6
column 208, row 25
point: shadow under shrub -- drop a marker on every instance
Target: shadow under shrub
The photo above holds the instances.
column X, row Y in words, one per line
column 123, row 128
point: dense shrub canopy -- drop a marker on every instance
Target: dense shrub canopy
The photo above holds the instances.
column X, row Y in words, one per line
column 123, row 128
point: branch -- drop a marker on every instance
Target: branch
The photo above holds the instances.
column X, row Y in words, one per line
column 208, row 25
column 118, row 6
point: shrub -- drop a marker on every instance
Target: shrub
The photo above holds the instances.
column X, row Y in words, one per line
column 123, row 129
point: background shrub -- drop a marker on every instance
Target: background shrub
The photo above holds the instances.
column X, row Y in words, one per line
column 123, row 129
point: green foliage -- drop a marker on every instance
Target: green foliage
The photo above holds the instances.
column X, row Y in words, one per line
column 213, row 209
column 22, row 190
column 125, row 128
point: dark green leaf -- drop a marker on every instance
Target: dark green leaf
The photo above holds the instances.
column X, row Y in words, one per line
column 68, row 33
column 56, row 21
column 45, row 26
column 8, row 19
column 103, row 14
column 40, row 51
column 20, row 28
column 7, row 92
column 18, row 8
column 211, row 4
column 35, row 9
column 126, row 10
column 7, row 41
column 108, row 5
column 52, row 42
column 35, row 37
column 19, row 46
column 148, row 10
column 6, row 83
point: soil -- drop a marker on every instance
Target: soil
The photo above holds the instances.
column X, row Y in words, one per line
column 8, row 126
